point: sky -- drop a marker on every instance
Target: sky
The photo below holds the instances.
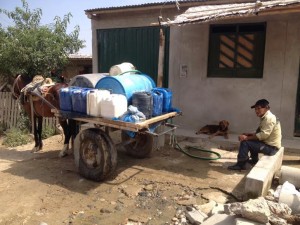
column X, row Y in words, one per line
column 53, row 8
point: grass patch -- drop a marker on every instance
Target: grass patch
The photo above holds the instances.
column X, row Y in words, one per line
column 47, row 132
column 14, row 137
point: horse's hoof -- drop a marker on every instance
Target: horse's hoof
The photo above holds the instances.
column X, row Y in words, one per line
column 35, row 149
column 62, row 154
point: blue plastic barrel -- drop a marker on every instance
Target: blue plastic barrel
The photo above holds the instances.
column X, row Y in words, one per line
column 79, row 97
column 65, row 99
column 157, row 103
column 126, row 84
column 167, row 98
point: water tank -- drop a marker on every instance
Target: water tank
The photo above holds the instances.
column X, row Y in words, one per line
column 126, row 84
column 87, row 80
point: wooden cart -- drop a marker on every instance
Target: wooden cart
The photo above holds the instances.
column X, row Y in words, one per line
column 95, row 153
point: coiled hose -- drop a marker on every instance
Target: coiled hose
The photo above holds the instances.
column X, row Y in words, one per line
column 174, row 143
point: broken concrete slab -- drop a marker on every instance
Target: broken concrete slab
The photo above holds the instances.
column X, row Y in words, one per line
column 207, row 208
column 254, row 209
column 223, row 219
column 196, row 216
column 242, row 221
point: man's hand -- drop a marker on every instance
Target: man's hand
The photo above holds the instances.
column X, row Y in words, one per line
column 247, row 137
column 243, row 137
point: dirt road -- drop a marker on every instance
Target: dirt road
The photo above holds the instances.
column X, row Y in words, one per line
column 41, row 188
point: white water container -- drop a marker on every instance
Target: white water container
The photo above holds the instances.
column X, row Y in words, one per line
column 114, row 106
column 94, row 98
column 121, row 68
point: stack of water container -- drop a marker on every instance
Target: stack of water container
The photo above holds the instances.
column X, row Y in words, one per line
column 111, row 96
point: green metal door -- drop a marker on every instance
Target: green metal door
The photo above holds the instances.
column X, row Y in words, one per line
column 138, row 45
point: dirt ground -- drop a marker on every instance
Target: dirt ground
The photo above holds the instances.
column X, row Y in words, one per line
column 41, row 188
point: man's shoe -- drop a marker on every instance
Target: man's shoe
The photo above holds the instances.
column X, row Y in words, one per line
column 237, row 166
column 252, row 161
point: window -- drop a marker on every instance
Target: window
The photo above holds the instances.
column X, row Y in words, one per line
column 236, row 50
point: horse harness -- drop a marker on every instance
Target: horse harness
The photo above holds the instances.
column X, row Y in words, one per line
column 36, row 90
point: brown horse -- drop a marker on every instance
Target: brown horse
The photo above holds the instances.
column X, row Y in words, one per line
column 41, row 107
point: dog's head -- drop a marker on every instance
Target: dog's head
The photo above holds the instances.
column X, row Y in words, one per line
column 224, row 124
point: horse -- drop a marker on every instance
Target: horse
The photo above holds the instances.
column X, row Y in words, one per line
column 41, row 107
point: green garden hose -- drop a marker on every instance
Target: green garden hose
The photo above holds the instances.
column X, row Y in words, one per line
column 199, row 149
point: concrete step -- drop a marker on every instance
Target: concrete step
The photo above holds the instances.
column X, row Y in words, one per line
column 290, row 145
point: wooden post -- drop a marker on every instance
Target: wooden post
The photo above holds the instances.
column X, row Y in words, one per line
column 161, row 56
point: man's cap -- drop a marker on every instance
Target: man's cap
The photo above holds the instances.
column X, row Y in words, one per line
column 262, row 103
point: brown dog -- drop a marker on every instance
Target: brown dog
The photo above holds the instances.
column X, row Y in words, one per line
column 214, row 130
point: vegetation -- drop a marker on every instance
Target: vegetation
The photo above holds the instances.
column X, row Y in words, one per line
column 21, row 135
column 30, row 48
column 47, row 132
column 15, row 137
column 23, row 122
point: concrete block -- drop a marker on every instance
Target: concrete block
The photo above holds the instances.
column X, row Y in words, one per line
column 271, row 162
column 259, row 179
column 223, row 219
column 290, row 174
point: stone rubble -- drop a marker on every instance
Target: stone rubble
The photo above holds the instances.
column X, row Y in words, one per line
column 260, row 211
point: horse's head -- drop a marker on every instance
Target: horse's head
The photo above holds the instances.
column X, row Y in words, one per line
column 19, row 83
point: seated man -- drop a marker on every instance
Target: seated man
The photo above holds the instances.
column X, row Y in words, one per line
column 266, row 140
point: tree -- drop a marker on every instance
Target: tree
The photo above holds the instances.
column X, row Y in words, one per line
column 30, row 48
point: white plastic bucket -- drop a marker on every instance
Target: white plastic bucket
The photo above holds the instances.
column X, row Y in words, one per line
column 121, row 68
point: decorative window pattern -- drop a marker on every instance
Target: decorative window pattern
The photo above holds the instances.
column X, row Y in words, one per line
column 237, row 50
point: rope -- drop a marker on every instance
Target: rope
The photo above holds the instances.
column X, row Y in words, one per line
column 130, row 71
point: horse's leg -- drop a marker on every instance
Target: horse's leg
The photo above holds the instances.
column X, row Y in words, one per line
column 39, row 132
column 67, row 133
column 74, row 128
column 35, row 134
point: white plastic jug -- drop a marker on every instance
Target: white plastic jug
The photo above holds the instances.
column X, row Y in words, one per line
column 114, row 106
column 94, row 98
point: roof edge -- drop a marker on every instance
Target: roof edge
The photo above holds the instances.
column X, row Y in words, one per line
column 168, row 4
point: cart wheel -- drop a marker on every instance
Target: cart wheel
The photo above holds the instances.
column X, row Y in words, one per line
column 142, row 145
column 95, row 154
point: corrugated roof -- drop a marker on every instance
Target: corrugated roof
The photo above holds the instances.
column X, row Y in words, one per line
column 158, row 3
column 79, row 56
column 205, row 13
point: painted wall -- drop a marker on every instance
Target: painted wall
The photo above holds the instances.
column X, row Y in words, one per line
column 208, row 100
